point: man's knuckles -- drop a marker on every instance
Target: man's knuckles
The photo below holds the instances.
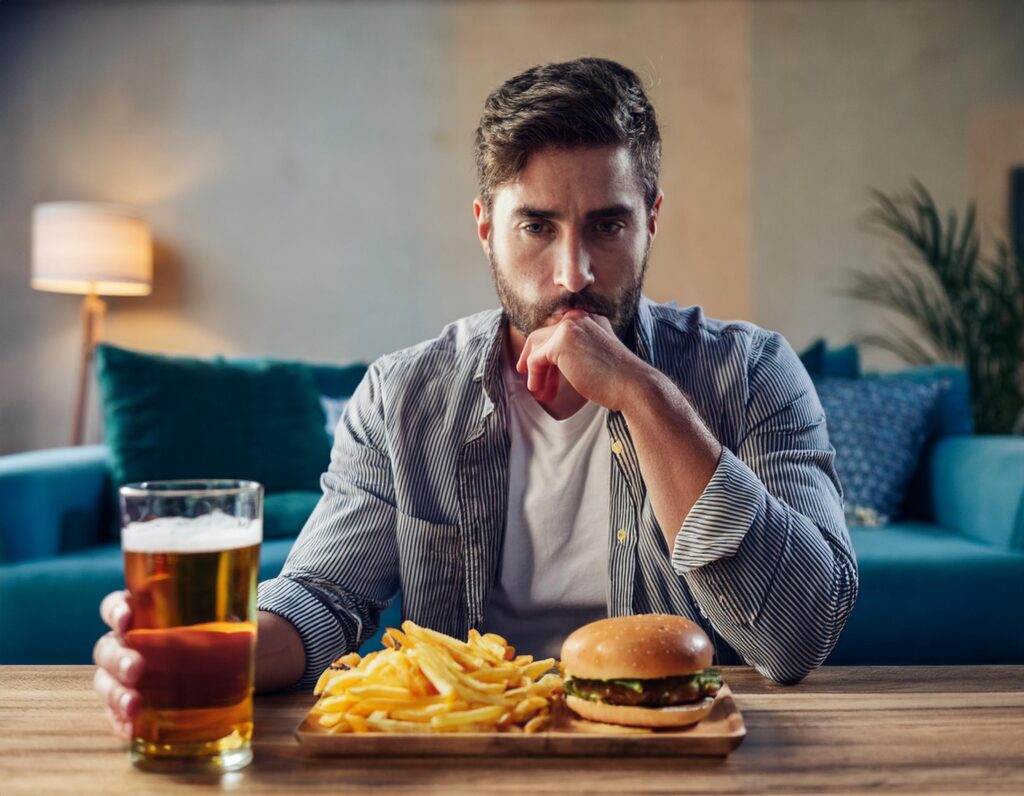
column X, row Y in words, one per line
column 123, row 663
column 115, row 611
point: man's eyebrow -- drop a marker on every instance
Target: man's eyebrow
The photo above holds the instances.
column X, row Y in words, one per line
column 611, row 211
column 525, row 211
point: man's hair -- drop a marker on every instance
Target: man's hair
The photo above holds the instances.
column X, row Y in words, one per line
column 586, row 102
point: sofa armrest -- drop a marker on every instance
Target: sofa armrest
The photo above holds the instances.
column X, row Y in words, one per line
column 53, row 501
column 977, row 484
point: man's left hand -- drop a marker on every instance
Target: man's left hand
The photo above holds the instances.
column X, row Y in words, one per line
column 584, row 349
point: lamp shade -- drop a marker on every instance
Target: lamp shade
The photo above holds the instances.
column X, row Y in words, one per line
column 91, row 247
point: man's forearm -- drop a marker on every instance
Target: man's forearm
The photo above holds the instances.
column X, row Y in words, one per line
column 280, row 656
column 677, row 452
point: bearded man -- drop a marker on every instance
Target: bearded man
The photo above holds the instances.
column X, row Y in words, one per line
column 580, row 453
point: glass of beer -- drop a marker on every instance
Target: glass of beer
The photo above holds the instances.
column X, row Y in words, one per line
column 191, row 557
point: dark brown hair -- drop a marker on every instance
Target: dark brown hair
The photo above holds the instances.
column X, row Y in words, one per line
column 586, row 102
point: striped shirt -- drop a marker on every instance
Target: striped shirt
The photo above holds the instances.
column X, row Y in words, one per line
column 415, row 496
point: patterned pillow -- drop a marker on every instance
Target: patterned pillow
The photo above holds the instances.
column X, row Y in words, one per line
column 878, row 428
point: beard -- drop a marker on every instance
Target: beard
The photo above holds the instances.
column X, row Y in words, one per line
column 619, row 309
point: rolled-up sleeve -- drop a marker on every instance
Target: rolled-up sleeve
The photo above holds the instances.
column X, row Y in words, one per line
column 765, row 549
column 343, row 568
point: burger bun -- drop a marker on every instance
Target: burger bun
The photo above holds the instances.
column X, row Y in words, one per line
column 636, row 716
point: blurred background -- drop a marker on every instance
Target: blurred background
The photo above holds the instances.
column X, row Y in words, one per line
column 307, row 174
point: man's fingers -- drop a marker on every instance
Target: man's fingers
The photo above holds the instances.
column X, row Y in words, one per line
column 124, row 702
column 522, row 365
column 116, row 611
column 538, row 367
column 604, row 323
column 549, row 385
column 123, row 663
column 122, row 729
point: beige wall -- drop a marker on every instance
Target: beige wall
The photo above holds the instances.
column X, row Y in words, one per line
column 307, row 172
column 852, row 95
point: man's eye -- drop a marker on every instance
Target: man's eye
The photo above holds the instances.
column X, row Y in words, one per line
column 534, row 228
column 609, row 227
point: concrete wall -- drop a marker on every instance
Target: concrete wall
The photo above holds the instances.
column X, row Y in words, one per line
column 306, row 166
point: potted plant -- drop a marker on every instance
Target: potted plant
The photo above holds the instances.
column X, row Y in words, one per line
column 966, row 305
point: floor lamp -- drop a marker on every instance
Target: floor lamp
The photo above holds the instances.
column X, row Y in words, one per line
column 94, row 249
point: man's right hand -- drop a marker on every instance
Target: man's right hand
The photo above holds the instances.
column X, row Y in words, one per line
column 119, row 668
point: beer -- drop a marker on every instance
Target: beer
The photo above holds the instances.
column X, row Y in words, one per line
column 193, row 594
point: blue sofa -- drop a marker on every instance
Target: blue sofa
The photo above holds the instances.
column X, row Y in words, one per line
column 945, row 585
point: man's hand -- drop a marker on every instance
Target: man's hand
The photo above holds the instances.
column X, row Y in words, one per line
column 584, row 350
column 119, row 668
column 677, row 453
column 280, row 660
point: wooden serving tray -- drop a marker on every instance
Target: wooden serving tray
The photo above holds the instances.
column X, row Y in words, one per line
column 716, row 736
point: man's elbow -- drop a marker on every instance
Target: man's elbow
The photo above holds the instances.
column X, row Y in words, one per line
column 800, row 650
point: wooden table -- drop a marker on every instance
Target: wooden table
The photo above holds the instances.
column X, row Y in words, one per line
column 911, row 730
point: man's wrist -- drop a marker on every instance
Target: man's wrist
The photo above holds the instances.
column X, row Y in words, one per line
column 646, row 392
column 280, row 654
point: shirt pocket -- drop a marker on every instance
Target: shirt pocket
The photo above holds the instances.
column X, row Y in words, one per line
column 430, row 565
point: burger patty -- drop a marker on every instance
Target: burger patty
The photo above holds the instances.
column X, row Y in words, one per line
column 658, row 693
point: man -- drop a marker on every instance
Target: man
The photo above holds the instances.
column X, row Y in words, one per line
column 581, row 452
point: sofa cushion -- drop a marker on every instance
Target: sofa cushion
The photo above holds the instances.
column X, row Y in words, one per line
column 841, row 363
column 877, row 428
column 177, row 417
column 49, row 608
column 337, row 381
column 285, row 513
column 930, row 596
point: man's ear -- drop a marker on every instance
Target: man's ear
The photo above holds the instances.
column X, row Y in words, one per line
column 483, row 223
column 652, row 218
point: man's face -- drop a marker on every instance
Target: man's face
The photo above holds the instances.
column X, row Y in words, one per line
column 571, row 232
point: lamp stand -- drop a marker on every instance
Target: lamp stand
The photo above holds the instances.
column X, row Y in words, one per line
column 92, row 328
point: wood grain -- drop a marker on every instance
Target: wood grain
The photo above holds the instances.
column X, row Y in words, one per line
column 849, row 730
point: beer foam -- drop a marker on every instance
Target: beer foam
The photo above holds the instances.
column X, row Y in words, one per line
column 206, row 533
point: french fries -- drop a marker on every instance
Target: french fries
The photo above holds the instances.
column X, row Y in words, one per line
column 425, row 681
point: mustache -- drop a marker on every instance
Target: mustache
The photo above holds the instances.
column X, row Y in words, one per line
column 588, row 302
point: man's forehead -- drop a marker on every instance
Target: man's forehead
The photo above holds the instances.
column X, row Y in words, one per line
column 577, row 181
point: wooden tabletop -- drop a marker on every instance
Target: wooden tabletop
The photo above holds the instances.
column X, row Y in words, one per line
column 844, row 729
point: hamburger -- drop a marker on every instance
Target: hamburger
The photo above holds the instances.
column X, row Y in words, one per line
column 649, row 670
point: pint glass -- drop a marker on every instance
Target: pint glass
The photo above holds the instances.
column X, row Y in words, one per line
column 191, row 557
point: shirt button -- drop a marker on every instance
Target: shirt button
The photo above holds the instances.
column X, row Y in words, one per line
column 621, row 535
column 617, row 448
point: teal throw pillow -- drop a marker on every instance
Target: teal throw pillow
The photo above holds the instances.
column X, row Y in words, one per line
column 337, row 381
column 178, row 417
column 840, row 363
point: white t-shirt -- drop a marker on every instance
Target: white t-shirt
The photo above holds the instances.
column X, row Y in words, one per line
column 553, row 575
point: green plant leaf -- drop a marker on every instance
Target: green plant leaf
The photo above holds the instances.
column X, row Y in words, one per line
column 967, row 308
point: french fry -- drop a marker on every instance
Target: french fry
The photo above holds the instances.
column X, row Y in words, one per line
column 425, row 681
column 528, row 707
column 384, row 691
column 428, row 712
column 537, row 723
column 462, row 717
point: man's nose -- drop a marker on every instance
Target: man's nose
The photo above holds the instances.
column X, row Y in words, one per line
column 572, row 272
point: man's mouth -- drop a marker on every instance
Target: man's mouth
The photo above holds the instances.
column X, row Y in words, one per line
column 560, row 313
column 557, row 315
